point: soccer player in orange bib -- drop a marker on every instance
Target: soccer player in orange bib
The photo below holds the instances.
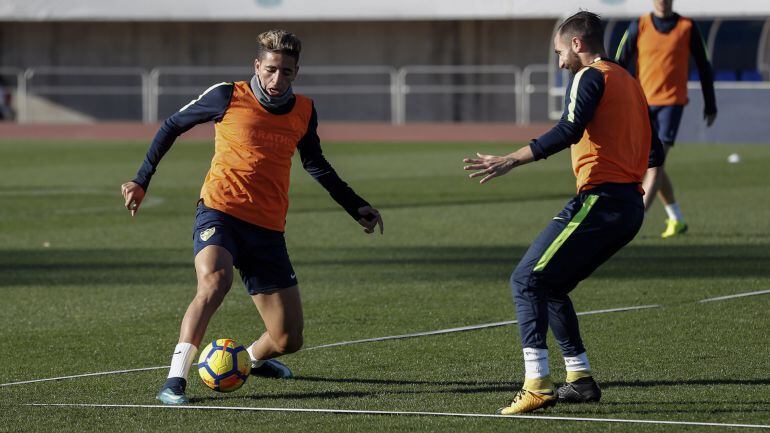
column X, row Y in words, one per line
column 607, row 126
column 242, row 209
column 658, row 46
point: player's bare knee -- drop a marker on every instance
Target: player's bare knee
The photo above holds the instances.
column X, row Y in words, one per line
column 213, row 287
column 289, row 343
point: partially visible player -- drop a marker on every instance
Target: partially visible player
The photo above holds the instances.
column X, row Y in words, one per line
column 241, row 213
column 659, row 46
column 607, row 126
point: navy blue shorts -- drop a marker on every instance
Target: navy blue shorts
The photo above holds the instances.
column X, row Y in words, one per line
column 665, row 120
column 259, row 254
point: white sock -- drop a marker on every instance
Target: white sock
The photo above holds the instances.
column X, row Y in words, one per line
column 577, row 363
column 535, row 363
column 182, row 360
column 254, row 361
column 674, row 213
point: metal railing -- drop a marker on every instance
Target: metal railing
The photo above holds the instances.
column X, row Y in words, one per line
column 157, row 89
column 27, row 86
column 20, row 87
column 404, row 89
column 154, row 84
column 397, row 84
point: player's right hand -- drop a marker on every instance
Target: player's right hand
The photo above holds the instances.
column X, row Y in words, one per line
column 133, row 193
column 710, row 118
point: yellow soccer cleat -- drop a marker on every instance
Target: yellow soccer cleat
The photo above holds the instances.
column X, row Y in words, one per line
column 527, row 401
column 673, row 228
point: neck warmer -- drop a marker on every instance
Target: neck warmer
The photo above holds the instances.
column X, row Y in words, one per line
column 267, row 101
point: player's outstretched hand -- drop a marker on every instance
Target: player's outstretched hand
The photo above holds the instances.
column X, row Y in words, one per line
column 709, row 118
column 489, row 166
column 370, row 219
column 134, row 194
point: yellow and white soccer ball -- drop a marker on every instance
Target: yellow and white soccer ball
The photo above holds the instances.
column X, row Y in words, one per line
column 224, row 365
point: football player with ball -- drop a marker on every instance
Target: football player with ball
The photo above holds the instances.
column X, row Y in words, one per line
column 241, row 213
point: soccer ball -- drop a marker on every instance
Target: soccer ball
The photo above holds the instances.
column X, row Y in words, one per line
column 224, row 365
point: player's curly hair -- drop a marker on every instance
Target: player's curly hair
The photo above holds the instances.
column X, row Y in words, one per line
column 278, row 41
column 585, row 25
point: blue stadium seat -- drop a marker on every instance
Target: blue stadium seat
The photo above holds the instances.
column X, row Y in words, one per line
column 749, row 75
column 725, row 75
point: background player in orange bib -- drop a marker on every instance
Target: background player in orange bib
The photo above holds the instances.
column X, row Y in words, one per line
column 243, row 203
column 658, row 47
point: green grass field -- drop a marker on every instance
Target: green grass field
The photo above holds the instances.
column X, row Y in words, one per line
column 87, row 289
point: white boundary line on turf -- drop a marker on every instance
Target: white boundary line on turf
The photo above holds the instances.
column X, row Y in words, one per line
column 76, row 376
column 344, row 343
column 385, row 412
column 739, row 295
column 469, row 328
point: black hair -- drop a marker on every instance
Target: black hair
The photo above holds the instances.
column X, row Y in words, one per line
column 587, row 26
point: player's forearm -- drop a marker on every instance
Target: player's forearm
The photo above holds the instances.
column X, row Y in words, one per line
column 342, row 193
column 524, row 155
column 560, row 137
column 705, row 72
column 164, row 139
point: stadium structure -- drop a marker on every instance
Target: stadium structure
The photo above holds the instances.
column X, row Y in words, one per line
column 395, row 62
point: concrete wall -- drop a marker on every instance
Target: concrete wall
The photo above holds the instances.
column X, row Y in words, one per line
column 152, row 44
column 149, row 44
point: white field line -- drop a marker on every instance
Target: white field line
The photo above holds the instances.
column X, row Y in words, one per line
column 385, row 412
column 76, row 376
column 344, row 343
column 739, row 295
column 468, row 328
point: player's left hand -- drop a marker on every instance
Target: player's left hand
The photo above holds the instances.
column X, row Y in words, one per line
column 709, row 118
column 490, row 166
column 370, row 219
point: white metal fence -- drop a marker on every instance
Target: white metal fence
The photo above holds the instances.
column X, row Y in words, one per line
column 149, row 95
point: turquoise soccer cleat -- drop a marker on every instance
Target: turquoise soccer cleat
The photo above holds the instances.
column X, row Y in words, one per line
column 273, row 369
column 172, row 392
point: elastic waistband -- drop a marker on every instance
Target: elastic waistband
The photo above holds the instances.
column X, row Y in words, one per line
column 628, row 192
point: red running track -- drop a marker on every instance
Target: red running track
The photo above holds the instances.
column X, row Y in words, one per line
column 330, row 131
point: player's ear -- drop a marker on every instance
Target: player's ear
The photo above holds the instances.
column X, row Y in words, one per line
column 256, row 65
column 576, row 44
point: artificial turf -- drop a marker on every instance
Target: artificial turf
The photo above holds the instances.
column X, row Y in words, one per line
column 86, row 288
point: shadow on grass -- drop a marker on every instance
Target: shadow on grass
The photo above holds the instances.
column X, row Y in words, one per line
column 476, row 387
column 512, row 385
column 472, row 199
column 691, row 382
column 105, row 267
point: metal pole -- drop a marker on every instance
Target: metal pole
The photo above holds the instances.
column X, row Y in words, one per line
column 525, row 105
column 519, row 93
column 402, row 91
column 153, row 95
column 712, row 39
column 23, row 94
column 145, row 98
column 762, row 63
column 395, row 89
